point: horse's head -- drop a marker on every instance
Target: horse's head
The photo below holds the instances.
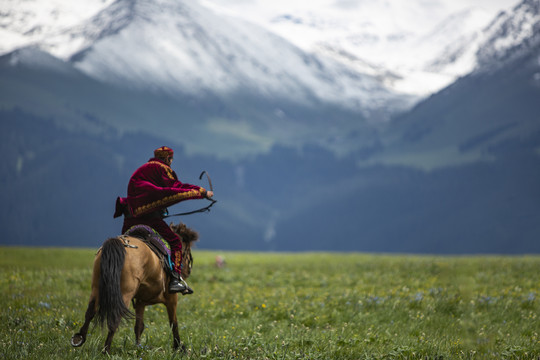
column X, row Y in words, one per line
column 188, row 237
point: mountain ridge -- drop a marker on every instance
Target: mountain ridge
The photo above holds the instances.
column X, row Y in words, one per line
column 232, row 54
column 510, row 35
column 390, row 40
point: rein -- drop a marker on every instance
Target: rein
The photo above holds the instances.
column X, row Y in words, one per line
column 201, row 210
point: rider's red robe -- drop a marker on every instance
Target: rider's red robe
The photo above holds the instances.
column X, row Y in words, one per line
column 152, row 188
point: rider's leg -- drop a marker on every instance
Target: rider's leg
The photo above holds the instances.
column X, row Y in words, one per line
column 177, row 283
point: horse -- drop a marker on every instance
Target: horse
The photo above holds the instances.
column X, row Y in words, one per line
column 126, row 270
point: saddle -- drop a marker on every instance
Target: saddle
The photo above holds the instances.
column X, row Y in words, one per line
column 155, row 242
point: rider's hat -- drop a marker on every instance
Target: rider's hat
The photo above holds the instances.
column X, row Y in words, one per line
column 163, row 152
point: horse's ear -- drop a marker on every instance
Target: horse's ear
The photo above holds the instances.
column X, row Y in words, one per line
column 175, row 228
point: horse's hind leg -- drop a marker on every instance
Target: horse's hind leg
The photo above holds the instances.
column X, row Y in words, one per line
column 79, row 338
column 173, row 322
column 108, row 342
column 126, row 297
column 139, row 320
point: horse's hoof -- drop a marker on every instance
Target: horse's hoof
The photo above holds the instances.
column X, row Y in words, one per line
column 77, row 340
column 179, row 346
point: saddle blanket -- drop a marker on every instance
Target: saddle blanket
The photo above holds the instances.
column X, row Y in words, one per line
column 154, row 240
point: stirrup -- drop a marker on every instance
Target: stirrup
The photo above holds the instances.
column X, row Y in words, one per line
column 178, row 285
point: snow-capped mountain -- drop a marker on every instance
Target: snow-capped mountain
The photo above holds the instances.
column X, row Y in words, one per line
column 362, row 55
column 497, row 103
column 185, row 48
column 511, row 35
column 308, row 75
column 507, row 36
column 416, row 47
column 26, row 23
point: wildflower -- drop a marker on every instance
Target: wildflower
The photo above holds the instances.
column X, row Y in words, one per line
column 45, row 305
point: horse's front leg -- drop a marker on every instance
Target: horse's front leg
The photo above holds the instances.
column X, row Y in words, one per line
column 79, row 338
column 139, row 320
column 173, row 321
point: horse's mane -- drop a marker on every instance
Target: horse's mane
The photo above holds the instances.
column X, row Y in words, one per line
column 187, row 234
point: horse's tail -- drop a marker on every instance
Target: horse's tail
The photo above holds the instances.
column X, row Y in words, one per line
column 111, row 304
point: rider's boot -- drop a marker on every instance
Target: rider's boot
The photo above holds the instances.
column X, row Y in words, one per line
column 179, row 285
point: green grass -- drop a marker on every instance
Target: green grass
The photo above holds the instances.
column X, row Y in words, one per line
column 287, row 306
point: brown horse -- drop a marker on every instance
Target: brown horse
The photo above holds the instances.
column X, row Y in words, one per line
column 126, row 270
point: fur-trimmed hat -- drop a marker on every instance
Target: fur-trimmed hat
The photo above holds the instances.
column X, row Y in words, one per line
column 163, row 152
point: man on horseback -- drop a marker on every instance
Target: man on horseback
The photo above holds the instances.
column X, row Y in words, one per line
column 152, row 188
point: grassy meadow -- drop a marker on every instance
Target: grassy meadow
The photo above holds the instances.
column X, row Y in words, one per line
column 287, row 306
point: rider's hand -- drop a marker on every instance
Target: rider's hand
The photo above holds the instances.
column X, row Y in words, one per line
column 209, row 194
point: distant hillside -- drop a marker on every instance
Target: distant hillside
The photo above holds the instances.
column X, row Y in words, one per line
column 60, row 187
column 237, row 124
column 470, row 120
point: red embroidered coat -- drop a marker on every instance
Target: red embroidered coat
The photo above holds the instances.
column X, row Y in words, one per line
column 153, row 187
